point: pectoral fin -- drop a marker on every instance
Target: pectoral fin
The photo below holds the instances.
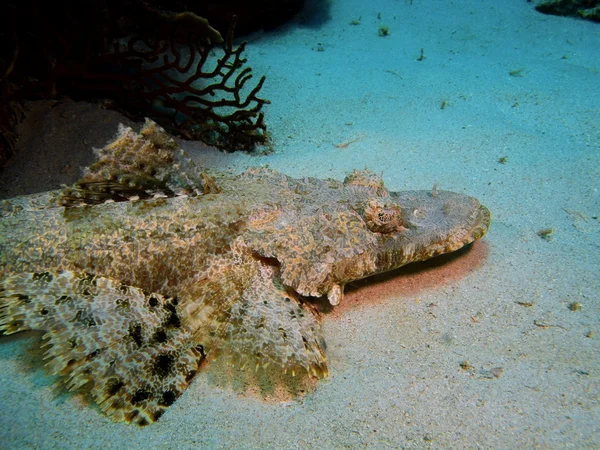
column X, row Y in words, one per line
column 244, row 310
column 127, row 346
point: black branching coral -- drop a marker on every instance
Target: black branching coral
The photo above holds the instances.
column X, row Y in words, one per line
column 194, row 84
column 143, row 60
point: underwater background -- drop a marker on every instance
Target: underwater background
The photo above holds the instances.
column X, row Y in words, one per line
column 497, row 346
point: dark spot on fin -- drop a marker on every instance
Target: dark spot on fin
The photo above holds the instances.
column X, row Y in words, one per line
column 163, row 365
column 43, row 276
column 135, row 333
column 153, row 301
column 168, row 398
column 159, row 336
column 113, row 387
column 139, row 396
column 173, row 319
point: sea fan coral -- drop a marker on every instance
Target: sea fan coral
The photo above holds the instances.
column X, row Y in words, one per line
column 142, row 60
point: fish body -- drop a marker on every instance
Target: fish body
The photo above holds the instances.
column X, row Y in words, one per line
column 149, row 264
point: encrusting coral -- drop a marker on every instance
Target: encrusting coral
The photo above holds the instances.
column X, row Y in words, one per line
column 149, row 265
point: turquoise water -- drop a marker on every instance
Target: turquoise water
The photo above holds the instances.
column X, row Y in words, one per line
column 476, row 350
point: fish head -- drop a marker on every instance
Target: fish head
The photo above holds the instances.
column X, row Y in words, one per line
column 358, row 228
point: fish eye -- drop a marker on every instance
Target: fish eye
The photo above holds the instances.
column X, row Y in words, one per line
column 381, row 217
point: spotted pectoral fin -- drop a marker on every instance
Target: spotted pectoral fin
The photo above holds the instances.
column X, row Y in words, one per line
column 244, row 311
column 126, row 346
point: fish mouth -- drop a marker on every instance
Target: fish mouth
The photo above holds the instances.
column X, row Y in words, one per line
column 471, row 227
column 476, row 229
column 481, row 224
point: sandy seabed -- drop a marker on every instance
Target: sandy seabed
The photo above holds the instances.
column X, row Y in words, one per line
column 475, row 350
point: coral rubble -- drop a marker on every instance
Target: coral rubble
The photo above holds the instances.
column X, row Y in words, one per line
column 586, row 9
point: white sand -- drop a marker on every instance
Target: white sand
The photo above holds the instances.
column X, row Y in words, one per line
column 396, row 343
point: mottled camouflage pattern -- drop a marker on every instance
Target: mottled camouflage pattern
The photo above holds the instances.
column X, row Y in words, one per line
column 134, row 292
